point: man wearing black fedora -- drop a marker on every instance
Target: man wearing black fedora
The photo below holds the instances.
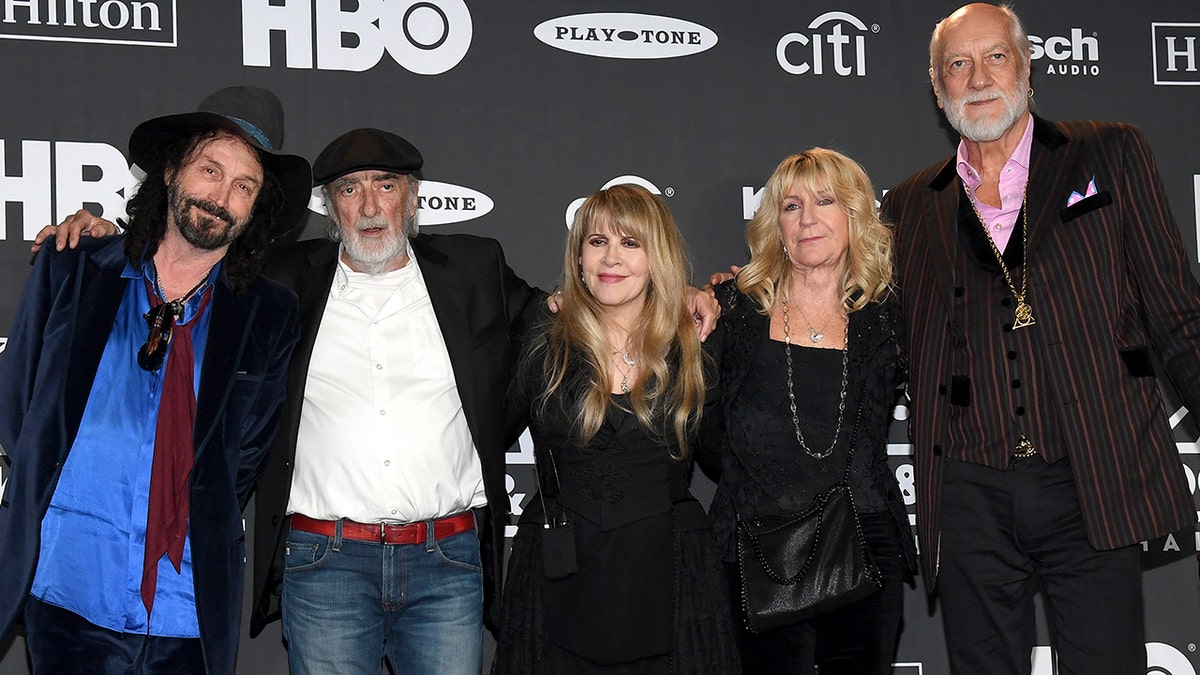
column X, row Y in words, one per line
column 381, row 514
column 139, row 394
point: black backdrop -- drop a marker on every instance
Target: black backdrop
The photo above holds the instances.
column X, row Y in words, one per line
column 521, row 108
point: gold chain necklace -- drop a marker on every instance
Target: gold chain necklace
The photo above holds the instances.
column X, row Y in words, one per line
column 1024, row 313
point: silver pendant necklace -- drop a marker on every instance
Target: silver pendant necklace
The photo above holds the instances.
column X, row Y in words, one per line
column 787, row 348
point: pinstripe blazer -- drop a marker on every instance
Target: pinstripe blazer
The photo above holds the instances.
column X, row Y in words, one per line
column 1109, row 284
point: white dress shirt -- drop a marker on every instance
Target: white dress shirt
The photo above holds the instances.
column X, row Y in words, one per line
column 382, row 434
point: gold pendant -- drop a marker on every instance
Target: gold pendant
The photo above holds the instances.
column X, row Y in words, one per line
column 1024, row 316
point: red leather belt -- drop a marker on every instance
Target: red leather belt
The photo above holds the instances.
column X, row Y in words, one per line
column 380, row 533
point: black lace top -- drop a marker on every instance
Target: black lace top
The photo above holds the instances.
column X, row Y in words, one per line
column 749, row 441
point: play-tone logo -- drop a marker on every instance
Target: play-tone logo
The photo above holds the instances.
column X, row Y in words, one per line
column 427, row 37
column 53, row 179
column 627, row 179
column 1076, row 54
column 625, row 36
column 841, row 46
column 132, row 22
column 437, row 203
column 1176, row 53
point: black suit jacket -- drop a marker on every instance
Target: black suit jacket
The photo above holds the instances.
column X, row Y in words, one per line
column 1109, row 283
column 480, row 304
column 46, row 374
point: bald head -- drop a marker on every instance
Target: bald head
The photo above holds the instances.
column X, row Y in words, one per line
column 975, row 16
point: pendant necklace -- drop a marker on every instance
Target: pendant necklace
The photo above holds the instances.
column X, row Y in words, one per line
column 628, row 361
column 787, row 348
column 814, row 334
column 1024, row 313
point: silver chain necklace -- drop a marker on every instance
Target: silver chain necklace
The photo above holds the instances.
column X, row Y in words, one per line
column 787, row 348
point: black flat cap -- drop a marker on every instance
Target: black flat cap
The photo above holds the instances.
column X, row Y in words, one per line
column 363, row 149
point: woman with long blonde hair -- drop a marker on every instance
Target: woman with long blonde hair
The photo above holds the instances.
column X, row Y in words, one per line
column 614, row 568
column 810, row 361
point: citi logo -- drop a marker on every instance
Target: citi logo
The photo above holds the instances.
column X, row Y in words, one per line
column 1074, row 55
column 625, row 36
column 627, row 179
column 131, row 22
column 437, row 203
column 426, row 37
column 1176, row 54
column 53, row 179
column 838, row 42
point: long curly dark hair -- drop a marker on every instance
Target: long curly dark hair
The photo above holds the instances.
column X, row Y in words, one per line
column 148, row 208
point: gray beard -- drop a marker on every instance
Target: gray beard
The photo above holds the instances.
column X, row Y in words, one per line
column 984, row 130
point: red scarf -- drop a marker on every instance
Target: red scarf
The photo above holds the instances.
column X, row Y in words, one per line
column 167, row 515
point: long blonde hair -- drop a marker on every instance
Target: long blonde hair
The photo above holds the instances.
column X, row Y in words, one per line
column 868, row 276
column 672, row 386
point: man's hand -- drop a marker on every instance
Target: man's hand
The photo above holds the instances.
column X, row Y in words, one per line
column 554, row 301
column 705, row 311
column 722, row 277
column 67, row 233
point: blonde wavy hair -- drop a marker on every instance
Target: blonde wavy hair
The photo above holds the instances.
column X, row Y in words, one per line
column 868, row 276
column 672, row 386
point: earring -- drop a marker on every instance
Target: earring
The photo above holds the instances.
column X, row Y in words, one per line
column 784, row 247
column 1031, row 93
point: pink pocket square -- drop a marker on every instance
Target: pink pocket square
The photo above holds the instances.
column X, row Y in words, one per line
column 1075, row 196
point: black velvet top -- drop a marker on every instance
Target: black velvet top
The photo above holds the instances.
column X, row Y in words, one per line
column 625, row 496
column 749, row 443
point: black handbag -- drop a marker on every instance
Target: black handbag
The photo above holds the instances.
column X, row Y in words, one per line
column 796, row 567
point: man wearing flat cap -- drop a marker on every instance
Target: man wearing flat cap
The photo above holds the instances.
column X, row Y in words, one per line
column 139, row 395
column 383, row 507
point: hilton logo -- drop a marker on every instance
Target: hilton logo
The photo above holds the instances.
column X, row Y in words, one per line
column 1176, row 54
column 133, row 22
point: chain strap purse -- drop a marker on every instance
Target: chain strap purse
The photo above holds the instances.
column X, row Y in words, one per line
column 796, row 567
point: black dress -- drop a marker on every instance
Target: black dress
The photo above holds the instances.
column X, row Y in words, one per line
column 648, row 593
column 750, row 443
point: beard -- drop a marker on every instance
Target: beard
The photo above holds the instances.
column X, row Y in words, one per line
column 209, row 226
column 374, row 255
column 983, row 130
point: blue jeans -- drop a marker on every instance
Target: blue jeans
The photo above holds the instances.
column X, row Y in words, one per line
column 347, row 604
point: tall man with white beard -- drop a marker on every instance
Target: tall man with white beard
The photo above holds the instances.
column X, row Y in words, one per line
column 1041, row 271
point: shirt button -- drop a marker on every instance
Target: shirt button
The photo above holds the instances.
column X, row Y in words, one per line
column 382, row 412
column 1016, row 384
column 1020, row 410
column 1005, row 302
column 998, row 226
column 378, row 366
column 393, row 512
column 1012, row 356
column 387, row 462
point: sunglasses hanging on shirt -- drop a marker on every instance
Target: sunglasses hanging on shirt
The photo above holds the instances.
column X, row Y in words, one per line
column 161, row 319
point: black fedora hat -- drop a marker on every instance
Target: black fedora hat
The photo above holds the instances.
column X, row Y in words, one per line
column 362, row 149
column 251, row 113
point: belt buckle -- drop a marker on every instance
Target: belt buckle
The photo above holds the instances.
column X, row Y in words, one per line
column 1024, row 448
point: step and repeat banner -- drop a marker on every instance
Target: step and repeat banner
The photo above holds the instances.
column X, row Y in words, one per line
column 523, row 108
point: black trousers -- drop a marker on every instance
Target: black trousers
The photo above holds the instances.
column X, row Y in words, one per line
column 1003, row 530
column 858, row 639
column 61, row 642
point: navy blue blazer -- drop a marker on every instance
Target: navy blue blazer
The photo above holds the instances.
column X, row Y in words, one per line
column 480, row 305
column 62, row 323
